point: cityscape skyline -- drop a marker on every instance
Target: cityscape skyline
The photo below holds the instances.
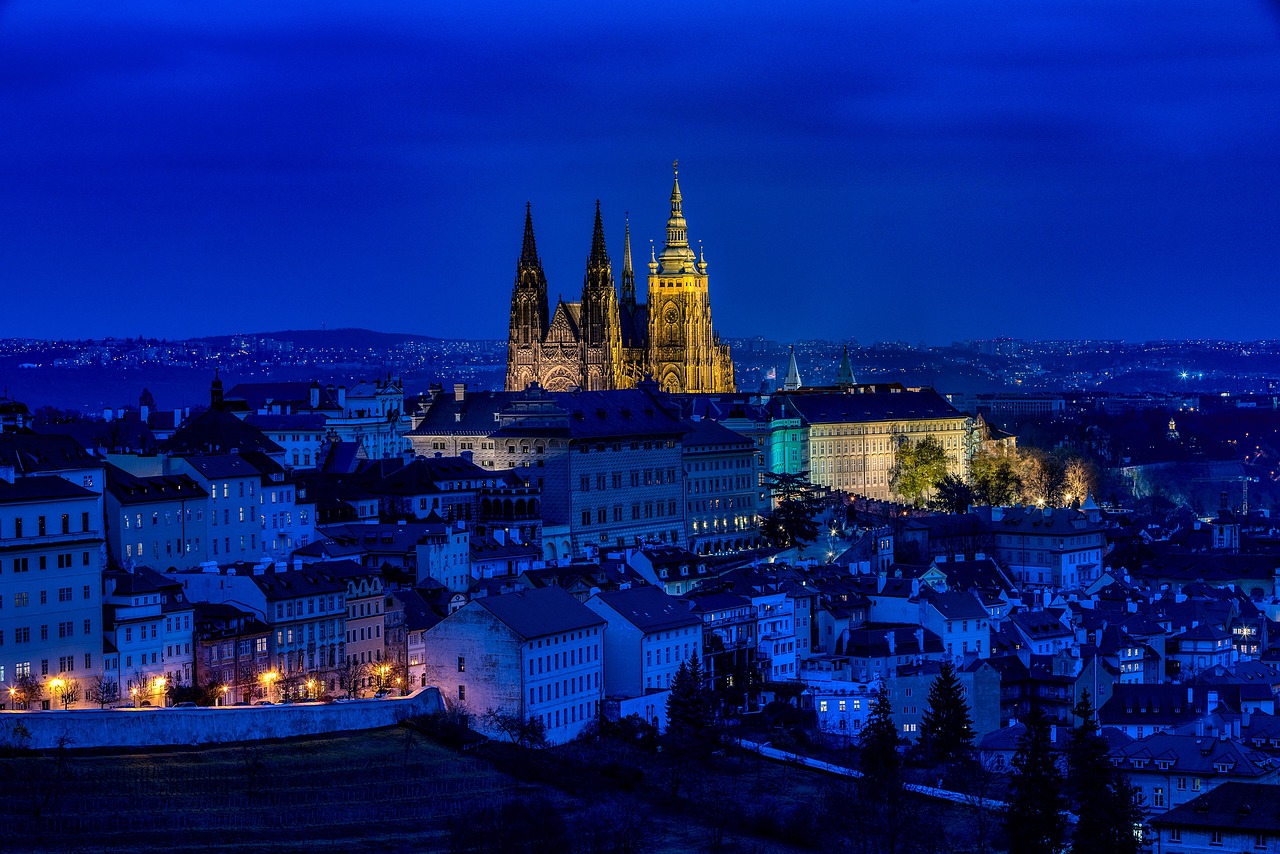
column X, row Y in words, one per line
column 1068, row 172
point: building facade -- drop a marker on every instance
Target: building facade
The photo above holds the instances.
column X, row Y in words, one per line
column 608, row 341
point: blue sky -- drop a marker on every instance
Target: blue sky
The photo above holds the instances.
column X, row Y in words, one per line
column 902, row 169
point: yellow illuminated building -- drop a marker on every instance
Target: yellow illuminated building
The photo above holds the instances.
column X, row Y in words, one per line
column 608, row 341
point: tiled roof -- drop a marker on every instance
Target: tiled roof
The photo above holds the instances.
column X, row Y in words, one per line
column 46, row 488
column 649, row 609
column 1233, row 807
column 876, row 406
column 540, row 612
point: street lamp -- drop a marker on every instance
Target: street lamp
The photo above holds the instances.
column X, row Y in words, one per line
column 267, row 678
column 158, row 687
column 225, row 690
column 133, row 692
column 56, row 687
column 311, row 689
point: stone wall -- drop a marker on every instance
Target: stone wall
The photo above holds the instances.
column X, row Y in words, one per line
column 156, row 727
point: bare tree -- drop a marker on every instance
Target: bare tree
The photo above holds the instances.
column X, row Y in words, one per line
column 529, row 732
column 103, row 690
column 66, row 691
column 27, row 690
column 979, row 783
column 351, row 674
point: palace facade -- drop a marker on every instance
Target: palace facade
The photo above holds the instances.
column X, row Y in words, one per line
column 611, row 341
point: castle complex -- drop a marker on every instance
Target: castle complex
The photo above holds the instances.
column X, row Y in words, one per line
column 608, row 341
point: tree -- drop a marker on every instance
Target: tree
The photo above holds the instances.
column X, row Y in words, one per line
column 1080, row 478
column 103, row 691
column 951, row 495
column 794, row 519
column 351, row 675
column 1043, row 476
column 995, row 478
column 689, row 711
column 878, row 743
column 1109, row 809
column 881, row 792
column 27, row 690
column 1034, row 820
column 526, row 732
column 65, row 690
column 947, row 726
column 917, row 467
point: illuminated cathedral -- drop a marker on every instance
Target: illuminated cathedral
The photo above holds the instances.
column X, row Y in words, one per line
column 609, row 340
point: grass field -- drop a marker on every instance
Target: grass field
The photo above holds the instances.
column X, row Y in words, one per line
column 398, row 790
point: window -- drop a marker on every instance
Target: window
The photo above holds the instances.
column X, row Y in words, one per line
column 1215, row 837
column 462, row 664
column 1157, row 797
column 462, row 693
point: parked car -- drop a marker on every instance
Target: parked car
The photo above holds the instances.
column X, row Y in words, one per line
column 264, row 703
column 186, row 704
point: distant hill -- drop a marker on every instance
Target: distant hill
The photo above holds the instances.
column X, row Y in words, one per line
column 344, row 339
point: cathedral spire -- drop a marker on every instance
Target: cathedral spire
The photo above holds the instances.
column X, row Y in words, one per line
column 792, row 382
column 677, row 228
column 529, row 251
column 599, row 256
column 628, row 273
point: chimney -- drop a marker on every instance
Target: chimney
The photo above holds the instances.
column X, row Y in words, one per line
column 1191, row 696
column 1200, row 729
column 342, row 397
column 1097, row 637
column 880, row 579
column 997, row 514
column 892, row 638
column 144, row 412
column 1213, row 701
column 1053, row 733
column 108, row 415
column 1235, row 729
column 315, row 395
column 920, row 641
column 459, row 392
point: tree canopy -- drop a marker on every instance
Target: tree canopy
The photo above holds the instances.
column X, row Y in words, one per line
column 794, row 520
column 918, row 467
column 1108, row 807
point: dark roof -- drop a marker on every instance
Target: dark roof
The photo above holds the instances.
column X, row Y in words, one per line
column 294, row 583
column 649, row 609
column 131, row 489
column 539, row 612
column 1194, row 755
column 47, row 488
column 300, row 421
column 222, row 465
column 1245, row 808
column 216, row 431
column 889, row 405
column 955, row 606
column 30, row 453
column 708, row 433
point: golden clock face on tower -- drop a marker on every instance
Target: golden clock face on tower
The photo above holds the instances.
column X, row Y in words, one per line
column 671, row 315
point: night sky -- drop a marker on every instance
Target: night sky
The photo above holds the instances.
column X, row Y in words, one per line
column 885, row 170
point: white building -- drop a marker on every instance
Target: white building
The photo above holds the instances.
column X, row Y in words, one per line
column 536, row 654
column 147, row 625
column 51, row 561
column 647, row 636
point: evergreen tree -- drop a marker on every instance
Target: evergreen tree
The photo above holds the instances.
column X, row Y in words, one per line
column 1106, row 803
column 878, row 744
column 689, row 711
column 1034, row 821
column 947, row 726
column 794, row 519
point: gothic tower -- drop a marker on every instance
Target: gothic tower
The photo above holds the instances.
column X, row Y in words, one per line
column 529, row 316
column 684, row 352
column 601, row 338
